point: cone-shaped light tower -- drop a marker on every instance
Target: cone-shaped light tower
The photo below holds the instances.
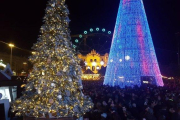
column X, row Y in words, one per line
column 132, row 56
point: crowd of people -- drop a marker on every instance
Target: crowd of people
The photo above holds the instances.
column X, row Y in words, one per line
column 138, row 103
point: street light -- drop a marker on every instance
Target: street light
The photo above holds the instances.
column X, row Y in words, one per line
column 11, row 46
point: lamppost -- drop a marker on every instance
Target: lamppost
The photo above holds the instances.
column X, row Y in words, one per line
column 177, row 38
column 11, row 46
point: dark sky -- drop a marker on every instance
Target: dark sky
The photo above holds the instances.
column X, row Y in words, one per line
column 20, row 21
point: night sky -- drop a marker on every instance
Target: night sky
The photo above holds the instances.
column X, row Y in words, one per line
column 21, row 20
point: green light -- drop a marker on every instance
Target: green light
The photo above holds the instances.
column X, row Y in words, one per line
column 85, row 32
column 109, row 32
column 103, row 29
column 97, row 29
column 76, row 40
column 74, row 46
column 91, row 30
column 80, row 36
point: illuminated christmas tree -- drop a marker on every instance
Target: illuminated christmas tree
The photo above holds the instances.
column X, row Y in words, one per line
column 132, row 55
column 54, row 87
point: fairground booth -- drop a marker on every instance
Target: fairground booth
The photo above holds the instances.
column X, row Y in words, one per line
column 10, row 89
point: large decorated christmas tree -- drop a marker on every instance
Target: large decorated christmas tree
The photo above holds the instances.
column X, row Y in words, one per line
column 54, row 86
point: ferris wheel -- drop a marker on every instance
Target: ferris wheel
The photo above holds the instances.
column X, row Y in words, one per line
column 98, row 39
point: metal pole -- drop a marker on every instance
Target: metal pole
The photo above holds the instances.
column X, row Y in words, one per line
column 178, row 53
column 177, row 38
column 85, row 39
column 11, row 58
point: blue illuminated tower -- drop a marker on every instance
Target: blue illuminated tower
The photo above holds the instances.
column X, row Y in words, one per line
column 132, row 55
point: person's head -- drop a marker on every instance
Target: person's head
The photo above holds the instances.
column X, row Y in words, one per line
column 147, row 108
column 98, row 104
column 159, row 98
column 171, row 110
column 150, row 111
column 104, row 115
column 110, row 100
column 124, row 109
column 116, row 100
column 120, row 104
column 104, row 103
column 130, row 117
column 153, row 103
column 112, row 104
column 178, row 111
column 134, row 104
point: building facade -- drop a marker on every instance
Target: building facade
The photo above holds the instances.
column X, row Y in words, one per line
column 94, row 61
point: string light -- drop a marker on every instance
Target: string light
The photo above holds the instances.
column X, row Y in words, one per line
column 85, row 32
column 103, row 29
column 80, row 36
column 91, row 30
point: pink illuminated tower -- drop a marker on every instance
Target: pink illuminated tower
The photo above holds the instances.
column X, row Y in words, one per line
column 132, row 58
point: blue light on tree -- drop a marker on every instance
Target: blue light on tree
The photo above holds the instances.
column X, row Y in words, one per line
column 132, row 55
